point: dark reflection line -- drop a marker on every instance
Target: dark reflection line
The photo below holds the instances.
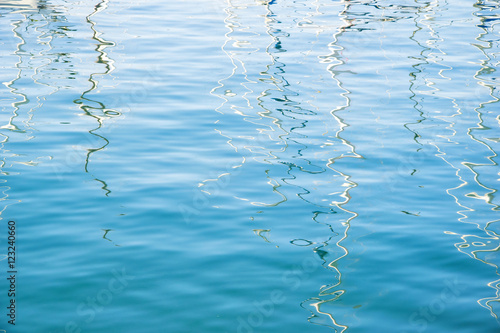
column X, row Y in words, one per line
column 105, row 236
column 93, row 107
column 39, row 20
column 421, row 62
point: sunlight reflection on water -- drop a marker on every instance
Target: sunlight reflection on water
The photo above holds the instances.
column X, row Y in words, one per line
column 285, row 166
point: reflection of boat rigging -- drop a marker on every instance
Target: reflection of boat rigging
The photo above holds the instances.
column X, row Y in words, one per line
column 16, row 101
column 477, row 235
column 44, row 68
column 92, row 107
column 24, row 48
column 486, row 245
column 285, row 123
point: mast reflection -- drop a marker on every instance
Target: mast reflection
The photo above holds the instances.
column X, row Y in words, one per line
column 285, row 129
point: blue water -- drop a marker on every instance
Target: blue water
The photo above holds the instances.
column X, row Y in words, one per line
column 250, row 166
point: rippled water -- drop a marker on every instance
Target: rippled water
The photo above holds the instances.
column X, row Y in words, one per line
column 251, row 166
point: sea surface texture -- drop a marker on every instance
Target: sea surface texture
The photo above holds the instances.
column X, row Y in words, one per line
column 250, row 166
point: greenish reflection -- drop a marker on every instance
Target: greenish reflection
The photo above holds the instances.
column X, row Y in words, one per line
column 92, row 106
column 43, row 69
column 105, row 236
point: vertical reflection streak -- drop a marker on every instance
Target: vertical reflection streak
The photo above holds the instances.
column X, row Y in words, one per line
column 329, row 292
column 272, row 102
column 93, row 107
column 246, row 146
column 334, row 60
column 24, row 68
column 486, row 240
column 488, row 68
column 11, row 85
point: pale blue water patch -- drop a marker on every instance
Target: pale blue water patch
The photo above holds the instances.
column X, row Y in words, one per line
column 251, row 166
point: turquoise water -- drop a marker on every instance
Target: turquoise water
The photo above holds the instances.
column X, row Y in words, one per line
column 250, row 166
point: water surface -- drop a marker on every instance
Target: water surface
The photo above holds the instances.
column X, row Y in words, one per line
column 251, row 166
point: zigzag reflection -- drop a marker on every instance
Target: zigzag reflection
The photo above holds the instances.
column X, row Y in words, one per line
column 485, row 247
column 45, row 68
column 34, row 24
column 93, row 107
column 273, row 116
column 474, row 195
